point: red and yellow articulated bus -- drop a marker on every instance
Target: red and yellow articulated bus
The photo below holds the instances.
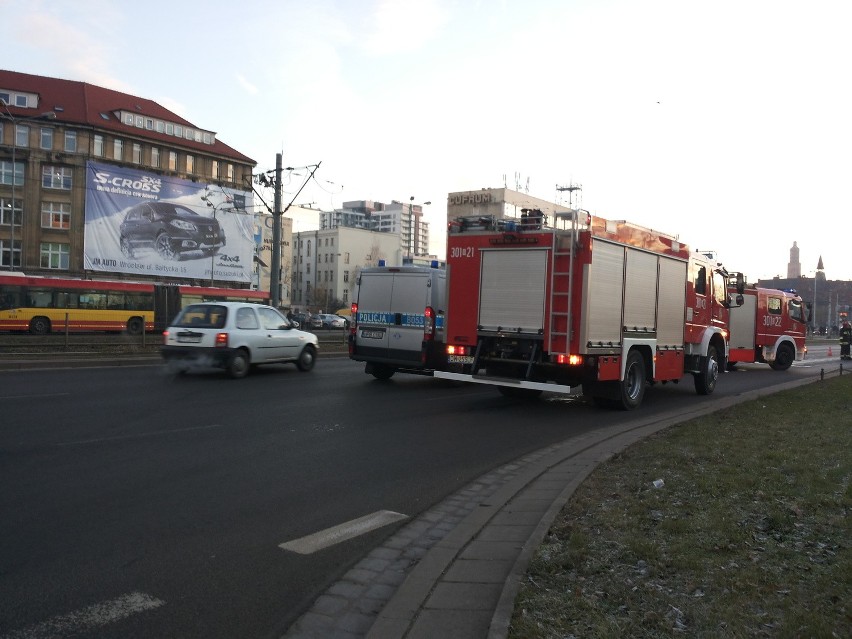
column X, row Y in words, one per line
column 41, row 305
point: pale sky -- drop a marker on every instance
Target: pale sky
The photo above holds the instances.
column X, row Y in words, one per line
column 726, row 123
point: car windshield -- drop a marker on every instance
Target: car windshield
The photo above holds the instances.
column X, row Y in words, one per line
column 202, row 316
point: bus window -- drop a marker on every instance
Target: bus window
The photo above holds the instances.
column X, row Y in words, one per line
column 40, row 298
column 93, row 300
column 10, row 299
column 66, row 299
column 116, row 300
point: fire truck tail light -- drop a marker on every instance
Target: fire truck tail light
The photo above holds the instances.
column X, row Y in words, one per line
column 452, row 349
column 221, row 340
column 571, row 360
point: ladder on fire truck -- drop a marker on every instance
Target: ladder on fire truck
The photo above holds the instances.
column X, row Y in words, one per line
column 562, row 280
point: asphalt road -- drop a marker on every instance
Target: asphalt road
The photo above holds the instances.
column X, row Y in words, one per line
column 139, row 504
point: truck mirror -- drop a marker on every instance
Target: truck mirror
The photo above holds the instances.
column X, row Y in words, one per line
column 740, row 287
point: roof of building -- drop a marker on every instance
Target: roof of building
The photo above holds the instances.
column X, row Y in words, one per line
column 86, row 104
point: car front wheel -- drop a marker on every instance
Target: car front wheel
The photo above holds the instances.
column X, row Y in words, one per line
column 307, row 358
column 164, row 247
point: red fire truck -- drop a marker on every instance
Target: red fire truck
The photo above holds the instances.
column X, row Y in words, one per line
column 609, row 305
column 769, row 326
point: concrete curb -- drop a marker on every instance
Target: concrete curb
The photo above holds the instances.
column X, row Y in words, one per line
column 418, row 608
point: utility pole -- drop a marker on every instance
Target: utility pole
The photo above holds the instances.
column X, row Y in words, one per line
column 275, row 275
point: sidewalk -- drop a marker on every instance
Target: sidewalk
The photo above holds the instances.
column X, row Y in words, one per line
column 455, row 571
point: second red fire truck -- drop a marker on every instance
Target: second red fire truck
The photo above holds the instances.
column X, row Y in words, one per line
column 769, row 326
column 546, row 305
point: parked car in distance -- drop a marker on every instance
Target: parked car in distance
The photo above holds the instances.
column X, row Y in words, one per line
column 328, row 320
column 170, row 229
column 235, row 336
column 306, row 320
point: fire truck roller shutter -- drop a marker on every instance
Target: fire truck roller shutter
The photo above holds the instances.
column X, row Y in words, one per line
column 512, row 290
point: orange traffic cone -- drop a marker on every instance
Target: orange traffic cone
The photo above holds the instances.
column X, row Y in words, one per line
column 829, row 352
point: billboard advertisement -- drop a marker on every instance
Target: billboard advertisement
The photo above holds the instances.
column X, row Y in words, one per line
column 144, row 223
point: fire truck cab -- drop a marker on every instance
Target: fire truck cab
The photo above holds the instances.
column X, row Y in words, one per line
column 546, row 305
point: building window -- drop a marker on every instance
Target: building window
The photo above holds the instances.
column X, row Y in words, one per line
column 70, row 141
column 128, row 119
column 214, row 169
column 172, row 160
column 309, row 248
column 137, row 153
column 56, row 177
column 117, row 149
column 230, row 173
column 190, row 163
column 8, row 173
column 8, row 217
column 155, row 157
column 55, row 215
column 10, row 253
column 22, row 135
column 161, row 126
column 55, row 255
column 170, row 129
column 346, row 258
column 178, row 130
column 149, row 124
column 46, row 142
column 139, row 121
column 308, row 270
column 99, row 146
column 345, row 277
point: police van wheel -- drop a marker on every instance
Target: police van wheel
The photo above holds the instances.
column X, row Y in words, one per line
column 381, row 372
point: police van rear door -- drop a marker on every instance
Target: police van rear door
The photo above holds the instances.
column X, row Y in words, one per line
column 375, row 292
column 410, row 297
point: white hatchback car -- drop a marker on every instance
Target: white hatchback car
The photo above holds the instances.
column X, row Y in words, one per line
column 235, row 336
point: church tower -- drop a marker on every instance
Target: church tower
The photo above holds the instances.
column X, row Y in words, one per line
column 794, row 266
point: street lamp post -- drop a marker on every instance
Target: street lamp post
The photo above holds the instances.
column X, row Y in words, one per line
column 48, row 115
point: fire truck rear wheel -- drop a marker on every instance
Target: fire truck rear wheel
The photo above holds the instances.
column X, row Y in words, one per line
column 705, row 381
column 783, row 358
column 632, row 387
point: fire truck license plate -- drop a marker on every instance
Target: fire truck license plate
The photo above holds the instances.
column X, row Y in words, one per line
column 372, row 334
column 460, row 359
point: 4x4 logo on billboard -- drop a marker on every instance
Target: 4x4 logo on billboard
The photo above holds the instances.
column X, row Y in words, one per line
column 126, row 185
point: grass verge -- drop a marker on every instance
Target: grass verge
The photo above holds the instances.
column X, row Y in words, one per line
column 747, row 535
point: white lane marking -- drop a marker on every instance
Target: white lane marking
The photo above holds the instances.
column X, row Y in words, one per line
column 348, row 530
column 152, row 433
column 89, row 618
column 35, row 396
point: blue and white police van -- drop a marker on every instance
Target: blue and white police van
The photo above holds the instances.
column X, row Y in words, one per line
column 398, row 320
